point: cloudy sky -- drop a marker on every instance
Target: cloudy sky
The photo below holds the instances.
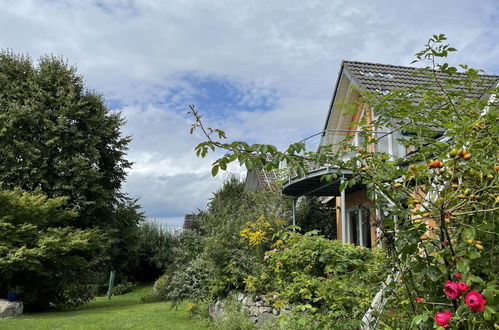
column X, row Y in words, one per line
column 262, row 70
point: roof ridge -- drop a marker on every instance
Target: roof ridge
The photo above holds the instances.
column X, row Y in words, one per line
column 408, row 67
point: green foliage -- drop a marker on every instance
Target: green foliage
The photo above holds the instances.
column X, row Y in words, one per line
column 123, row 287
column 162, row 286
column 233, row 318
column 41, row 255
column 155, row 251
column 230, row 210
column 57, row 136
column 324, row 280
column 212, row 262
column 311, row 214
column 440, row 202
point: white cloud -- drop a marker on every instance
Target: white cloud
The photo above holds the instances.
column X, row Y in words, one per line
column 138, row 53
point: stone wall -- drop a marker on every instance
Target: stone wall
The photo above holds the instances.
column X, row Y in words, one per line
column 258, row 308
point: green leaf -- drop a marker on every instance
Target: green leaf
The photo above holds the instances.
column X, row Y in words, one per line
column 214, row 170
column 249, row 164
column 475, row 279
column 474, row 255
column 463, row 265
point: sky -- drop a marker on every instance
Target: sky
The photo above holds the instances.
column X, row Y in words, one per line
column 263, row 71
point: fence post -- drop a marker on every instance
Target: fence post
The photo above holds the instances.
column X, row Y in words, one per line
column 112, row 274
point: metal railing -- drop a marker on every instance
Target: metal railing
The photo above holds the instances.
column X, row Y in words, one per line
column 385, row 141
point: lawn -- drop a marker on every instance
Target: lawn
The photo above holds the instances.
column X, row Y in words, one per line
column 121, row 312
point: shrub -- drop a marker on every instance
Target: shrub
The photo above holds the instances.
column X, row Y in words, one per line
column 324, row 280
column 123, row 287
column 155, row 246
column 48, row 261
column 213, row 261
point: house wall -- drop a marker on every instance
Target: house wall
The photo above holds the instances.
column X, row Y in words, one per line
column 355, row 199
column 251, row 182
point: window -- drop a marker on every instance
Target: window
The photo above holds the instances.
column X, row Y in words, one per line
column 359, row 226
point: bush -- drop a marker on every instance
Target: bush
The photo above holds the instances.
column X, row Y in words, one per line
column 155, row 246
column 230, row 211
column 45, row 259
column 123, row 287
column 213, row 261
column 323, row 280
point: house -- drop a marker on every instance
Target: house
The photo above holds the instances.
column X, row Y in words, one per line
column 258, row 179
column 191, row 221
column 355, row 216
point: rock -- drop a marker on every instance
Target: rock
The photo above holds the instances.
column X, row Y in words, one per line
column 266, row 319
column 216, row 310
column 275, row 311
column 247, row 301
column 259, row 303
column 253, row 310
column 240, row 297
column 264, row 309
column 10, row 308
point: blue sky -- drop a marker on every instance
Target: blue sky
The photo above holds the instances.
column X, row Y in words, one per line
column 262, row 70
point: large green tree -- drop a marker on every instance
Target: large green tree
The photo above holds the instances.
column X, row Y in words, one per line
column 61, row 138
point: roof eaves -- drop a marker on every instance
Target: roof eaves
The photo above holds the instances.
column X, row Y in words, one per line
column 338, row 80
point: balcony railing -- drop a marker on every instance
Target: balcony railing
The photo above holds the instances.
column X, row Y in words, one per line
column 385, row 142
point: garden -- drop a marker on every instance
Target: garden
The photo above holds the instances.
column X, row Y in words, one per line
column 242, row 264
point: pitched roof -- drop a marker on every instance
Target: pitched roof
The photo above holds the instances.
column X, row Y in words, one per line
column 375, row 77
column 266, row 178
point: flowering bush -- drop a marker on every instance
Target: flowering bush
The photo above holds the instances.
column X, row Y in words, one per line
column 324, row 280
column 233, row 234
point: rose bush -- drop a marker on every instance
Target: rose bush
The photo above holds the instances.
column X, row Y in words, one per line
column 475, row 300
column 443, row 319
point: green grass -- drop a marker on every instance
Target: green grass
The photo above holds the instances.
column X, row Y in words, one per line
column 121, row 312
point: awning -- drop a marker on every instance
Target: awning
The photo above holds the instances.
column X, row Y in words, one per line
column 312, row 185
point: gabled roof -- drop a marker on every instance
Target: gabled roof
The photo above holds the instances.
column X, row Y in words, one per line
column 382, row 78
column 375, row 77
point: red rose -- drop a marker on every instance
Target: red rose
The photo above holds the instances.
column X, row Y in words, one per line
column 446, row 243
column 463, row 287
column 451, row 289
column 443, row 319
column 458, row 275
column 475, row 301
column 419, row 300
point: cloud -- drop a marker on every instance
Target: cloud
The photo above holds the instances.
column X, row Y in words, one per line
column 263, row 71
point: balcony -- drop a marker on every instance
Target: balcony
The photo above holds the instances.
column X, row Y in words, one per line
column 312, row 185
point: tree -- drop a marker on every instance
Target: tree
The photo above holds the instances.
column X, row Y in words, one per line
column 57, row 136
column 61, row 138
column 441, row 200
column 42, row 257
